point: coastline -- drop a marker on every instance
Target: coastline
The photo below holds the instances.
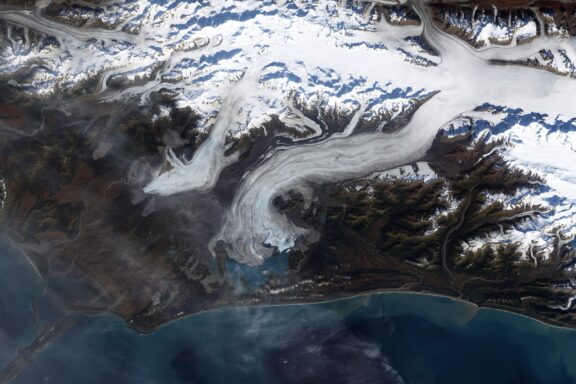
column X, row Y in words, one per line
column 476, row 308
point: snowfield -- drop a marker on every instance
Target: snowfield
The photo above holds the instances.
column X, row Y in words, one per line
column 540, row 144
column 240, row 63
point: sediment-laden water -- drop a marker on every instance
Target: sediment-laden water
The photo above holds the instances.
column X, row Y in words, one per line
column 380, row 338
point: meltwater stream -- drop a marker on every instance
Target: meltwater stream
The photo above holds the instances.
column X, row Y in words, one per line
column 233, row 49
column 464, row 80
column 380, row 338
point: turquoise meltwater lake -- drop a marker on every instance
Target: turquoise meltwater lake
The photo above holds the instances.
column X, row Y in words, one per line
column 379, row 338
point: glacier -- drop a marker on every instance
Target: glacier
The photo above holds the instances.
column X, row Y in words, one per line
column 241, row 63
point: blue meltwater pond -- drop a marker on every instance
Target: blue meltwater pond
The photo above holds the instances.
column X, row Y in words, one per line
column 380, row 338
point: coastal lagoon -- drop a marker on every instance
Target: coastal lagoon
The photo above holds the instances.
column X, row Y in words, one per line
column 378, row 338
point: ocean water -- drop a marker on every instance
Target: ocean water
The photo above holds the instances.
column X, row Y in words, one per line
column 380, row 338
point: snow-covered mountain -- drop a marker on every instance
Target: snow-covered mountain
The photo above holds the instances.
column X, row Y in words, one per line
column 369, row 65
column 201, row 49
column 534, row 143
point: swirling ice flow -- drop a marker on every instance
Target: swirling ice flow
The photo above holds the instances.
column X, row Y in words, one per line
column 465, row 80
